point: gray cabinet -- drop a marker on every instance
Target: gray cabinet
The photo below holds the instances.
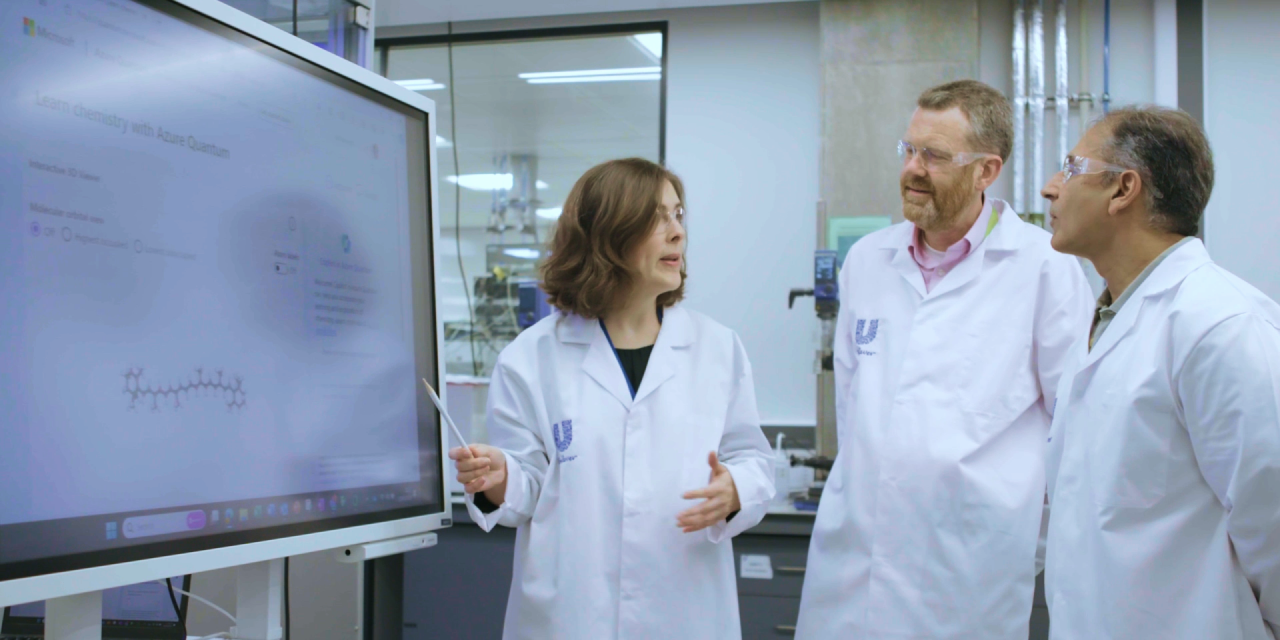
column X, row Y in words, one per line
column 768, row 617
column 1039, row 613
column 769, row 607
column 787, row 555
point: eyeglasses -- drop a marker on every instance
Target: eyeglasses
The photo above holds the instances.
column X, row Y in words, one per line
column 934, row 159
column 676, row 215
column 1079, row 165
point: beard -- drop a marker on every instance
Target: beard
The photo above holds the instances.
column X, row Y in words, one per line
column 945, row 205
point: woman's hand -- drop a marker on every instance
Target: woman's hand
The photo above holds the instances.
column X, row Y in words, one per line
column 482, row 468
column 721, row 499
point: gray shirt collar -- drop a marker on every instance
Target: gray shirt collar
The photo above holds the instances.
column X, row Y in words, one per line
column 1107, row 310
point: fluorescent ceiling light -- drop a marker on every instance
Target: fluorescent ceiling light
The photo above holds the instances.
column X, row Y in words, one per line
column 626, row 78
column 422, row 84
column 483, row 181
column 650, row 42
column 590, row 72
column 550, row 214
column 586, row 73
column 489, row 181
column 443, row 143
column 522, row 253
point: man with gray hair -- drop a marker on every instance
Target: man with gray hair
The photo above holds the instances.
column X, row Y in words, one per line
column 952, row 332
column 1164, row 454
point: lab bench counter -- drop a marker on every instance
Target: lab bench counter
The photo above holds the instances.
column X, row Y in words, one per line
column 770, row 560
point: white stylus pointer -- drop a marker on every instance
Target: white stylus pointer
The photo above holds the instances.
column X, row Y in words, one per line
column 440, row 405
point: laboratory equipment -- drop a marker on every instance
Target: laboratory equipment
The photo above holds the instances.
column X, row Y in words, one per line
column 533, row 305
column 826, row 295
column 781, row 473
column 835, row 236
column 341, row 27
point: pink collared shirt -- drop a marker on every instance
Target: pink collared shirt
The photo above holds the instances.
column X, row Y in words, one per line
column 934, row 265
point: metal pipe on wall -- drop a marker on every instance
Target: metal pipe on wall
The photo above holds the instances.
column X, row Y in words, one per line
column 1019, row 104
column 1035, row 50
column 1061, row 100
column 1106, row 57
column 1085, row 105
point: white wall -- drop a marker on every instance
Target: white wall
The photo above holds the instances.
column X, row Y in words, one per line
column 743, row 132
column 1165, row 58
column 1242, row 100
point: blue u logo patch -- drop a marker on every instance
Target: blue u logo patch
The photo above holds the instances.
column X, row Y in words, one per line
column 563, row 433
column 864, row 335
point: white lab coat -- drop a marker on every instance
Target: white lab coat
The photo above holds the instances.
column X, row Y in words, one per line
column 929, row 523
column 1164, row 465
column 596, row 478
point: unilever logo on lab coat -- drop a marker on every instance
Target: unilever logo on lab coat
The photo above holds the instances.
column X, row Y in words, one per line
column 563, row 433
column 865, row 335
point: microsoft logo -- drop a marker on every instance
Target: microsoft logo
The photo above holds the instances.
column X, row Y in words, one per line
column 29, row 28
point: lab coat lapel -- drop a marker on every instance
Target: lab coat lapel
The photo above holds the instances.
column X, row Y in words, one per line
column 999, row 241
column 899, row 241
column 1120, row 326
column 1175, row 268
column 601, row 363
column 965, row 272
column 673, row 342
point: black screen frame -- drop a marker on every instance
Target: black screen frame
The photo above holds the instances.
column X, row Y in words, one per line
column 424, row 326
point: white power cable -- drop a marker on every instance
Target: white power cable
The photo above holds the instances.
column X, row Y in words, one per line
column 196, row 597
column 220, row 634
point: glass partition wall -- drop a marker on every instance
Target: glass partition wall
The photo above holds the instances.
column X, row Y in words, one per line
column 534, row 110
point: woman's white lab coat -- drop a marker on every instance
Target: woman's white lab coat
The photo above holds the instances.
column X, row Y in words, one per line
column 1164, row 465
column 595, row 479
column 929, row 523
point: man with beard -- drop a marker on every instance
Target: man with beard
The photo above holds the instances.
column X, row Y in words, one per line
column 951, row 338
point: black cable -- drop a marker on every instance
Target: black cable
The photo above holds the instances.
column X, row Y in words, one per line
column 457, row 208
column 287, row 618
column 177, row 611
column 295, row 18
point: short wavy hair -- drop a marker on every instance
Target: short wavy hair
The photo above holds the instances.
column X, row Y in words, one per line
column 1171, row 153
column 988, row 111
column 612, row 208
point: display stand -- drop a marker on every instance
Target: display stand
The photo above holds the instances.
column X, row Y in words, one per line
column 259, row 594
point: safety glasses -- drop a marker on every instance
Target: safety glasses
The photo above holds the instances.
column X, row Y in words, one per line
column 935, row 159
column 1080, row 165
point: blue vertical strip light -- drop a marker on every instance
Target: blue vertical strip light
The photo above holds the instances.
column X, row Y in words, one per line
column 1106, row 57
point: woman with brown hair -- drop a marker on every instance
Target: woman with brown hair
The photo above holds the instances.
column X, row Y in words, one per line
column 627, row 445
